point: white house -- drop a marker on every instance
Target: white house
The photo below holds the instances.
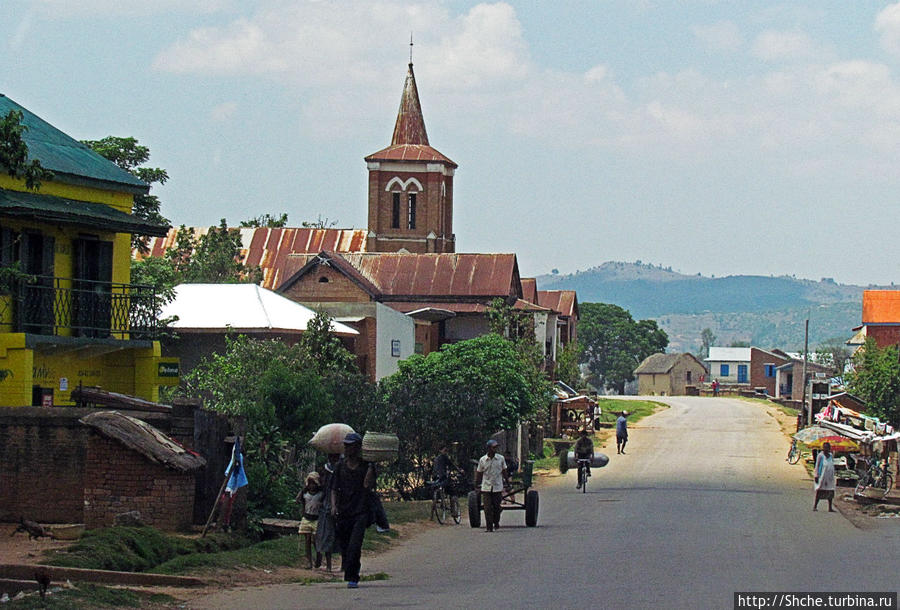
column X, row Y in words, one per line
column 729, row 365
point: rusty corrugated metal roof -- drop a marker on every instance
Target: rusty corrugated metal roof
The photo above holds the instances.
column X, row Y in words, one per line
column 563, row 301
column 396, row 276
column 410, row 140
column 270, row 248
column 881, row 307
column 458, row 308
column 529, row 289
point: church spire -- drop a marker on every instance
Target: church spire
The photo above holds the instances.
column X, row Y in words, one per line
column 410, row 126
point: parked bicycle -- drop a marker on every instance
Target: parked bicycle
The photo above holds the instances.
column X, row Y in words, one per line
column 445, row 499
column 793, row 455
column 876, row 477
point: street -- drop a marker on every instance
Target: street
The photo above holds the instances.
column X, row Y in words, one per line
column 702, row 505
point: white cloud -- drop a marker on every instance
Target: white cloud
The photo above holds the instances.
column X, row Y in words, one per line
column 721, row 36
column 887, row 23
column 774, row 45
column 223, row 111
column 132, row 8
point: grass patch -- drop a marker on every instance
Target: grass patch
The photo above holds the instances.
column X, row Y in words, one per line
column 637, row 409
column 92, row 596
column 136, row 549
column 407, row 512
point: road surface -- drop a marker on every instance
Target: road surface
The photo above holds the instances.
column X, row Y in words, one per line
column 702, row 505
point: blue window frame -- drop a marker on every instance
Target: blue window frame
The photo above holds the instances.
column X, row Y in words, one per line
column 770, row 370
column 742, row 373
column 723, row 370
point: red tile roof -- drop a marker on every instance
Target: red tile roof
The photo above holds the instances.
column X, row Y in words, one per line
column 881, row 307
column 529, row 289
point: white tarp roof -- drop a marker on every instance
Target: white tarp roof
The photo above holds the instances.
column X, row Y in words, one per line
column 239, row 306
column 729, row 354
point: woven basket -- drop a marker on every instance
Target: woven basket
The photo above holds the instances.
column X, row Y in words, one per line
column 380, row 447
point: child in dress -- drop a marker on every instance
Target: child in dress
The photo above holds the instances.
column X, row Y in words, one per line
column 311, row 498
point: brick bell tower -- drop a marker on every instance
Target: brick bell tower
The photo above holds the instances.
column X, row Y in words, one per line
column 410, row 187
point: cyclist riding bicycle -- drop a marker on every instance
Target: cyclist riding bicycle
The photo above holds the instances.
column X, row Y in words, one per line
column 584, row 450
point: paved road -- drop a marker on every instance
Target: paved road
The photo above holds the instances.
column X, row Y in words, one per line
column 702, row 505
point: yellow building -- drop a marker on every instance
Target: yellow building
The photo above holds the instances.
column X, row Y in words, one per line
column 77, row 320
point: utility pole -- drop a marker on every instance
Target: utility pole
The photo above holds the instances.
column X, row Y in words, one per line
column 805, row 361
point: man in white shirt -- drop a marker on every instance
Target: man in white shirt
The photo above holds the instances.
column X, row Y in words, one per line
column 490, row 476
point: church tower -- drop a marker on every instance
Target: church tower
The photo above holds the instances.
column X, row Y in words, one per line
column 410, row 187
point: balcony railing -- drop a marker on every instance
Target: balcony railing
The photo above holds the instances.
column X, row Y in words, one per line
column 83, row 308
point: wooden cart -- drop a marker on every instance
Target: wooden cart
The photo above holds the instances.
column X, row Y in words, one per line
column 520, row 487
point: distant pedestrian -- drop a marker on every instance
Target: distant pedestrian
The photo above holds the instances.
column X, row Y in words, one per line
column 622, row 432
column 490, row 476
column 310, row 497
column 715, row 387
column 351, row 507
column 824, row 477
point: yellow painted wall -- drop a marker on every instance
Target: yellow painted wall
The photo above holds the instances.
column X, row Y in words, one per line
column 132, row 371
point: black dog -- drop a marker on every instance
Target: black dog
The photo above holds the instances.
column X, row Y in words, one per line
column 33, row 529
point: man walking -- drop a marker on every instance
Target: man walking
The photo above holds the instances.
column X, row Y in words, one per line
column 621, row 432
column 490, row 476
column 353, row 479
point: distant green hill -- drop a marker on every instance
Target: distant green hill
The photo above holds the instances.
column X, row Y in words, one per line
column 766, row 311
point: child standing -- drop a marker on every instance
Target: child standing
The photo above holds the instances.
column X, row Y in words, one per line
column 311, row 498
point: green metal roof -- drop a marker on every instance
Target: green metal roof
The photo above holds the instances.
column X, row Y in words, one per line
column 68, row 158
column 59, row 210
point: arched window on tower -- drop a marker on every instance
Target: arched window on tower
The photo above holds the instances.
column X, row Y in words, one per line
column 411, row 216
column 395, row 211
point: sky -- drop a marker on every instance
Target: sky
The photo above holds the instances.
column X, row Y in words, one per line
column 715, row 137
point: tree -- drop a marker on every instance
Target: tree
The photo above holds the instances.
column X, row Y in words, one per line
column 738, row 343
column 266, row 220
column 567, row 369
column 14, row 152
column 707, row 340
column 875, row 378
column 614, row 344
column 129, row 155
column 464, row 393
column 834, row 353
column 284, row 393
column 318, row 223
column 214, row 258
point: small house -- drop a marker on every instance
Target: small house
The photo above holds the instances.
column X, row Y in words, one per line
column 669, row 374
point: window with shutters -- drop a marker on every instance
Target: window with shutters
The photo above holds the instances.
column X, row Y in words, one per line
column 411, row 216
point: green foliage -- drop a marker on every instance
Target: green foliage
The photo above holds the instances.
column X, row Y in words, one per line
column 463, row 393
column 707, row 340
column 876, row 379
column 14, row 152
column 285, row 393
column 567, row 369
column 129, row 155
column 614, row 344
column 834, row 353
column 739, row 344
column 136, row 549
column 318, row 223
column 214, row 258
column 266, row 220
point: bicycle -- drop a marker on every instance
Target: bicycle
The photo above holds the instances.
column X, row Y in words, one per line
column 444, row 500
column 875, row 476
column 793, row 455
column 584, row 472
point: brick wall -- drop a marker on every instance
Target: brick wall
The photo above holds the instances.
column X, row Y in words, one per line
column 884, row 335
column 42, row 454
column 118, row 479
column 758, row 361
column 338, row 288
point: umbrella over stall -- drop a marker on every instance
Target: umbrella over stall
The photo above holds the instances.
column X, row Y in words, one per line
column 839, row 444
column 813, row 433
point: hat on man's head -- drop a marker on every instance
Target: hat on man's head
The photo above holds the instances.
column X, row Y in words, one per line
column 352, row 438
column 492, row 443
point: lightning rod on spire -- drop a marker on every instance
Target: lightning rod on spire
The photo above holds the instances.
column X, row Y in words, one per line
column 410, row 48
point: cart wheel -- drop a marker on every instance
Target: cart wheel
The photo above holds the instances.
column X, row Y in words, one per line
column 531, row 508
column 563, row 461
column 474, row 509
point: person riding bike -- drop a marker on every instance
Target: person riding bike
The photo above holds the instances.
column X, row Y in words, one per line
column 584, row 450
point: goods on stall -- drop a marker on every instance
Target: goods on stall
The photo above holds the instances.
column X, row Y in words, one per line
column 380, row 447
column 330, row 438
